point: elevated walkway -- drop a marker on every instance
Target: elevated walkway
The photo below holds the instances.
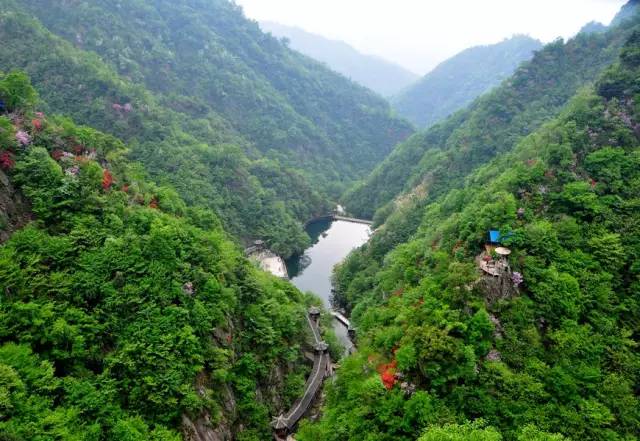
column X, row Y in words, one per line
column 284, row 424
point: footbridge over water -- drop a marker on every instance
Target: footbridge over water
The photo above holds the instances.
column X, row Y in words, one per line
column 334, row 217
column 285, row 423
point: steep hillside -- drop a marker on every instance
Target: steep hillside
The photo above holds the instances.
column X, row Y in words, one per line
column 124, row 314
column 205, row 55
column 241, row 128
column 436, row 160
column 14, row 210
column 202, row 158
column 455, row 83
column 540, row 345
column 377, row 74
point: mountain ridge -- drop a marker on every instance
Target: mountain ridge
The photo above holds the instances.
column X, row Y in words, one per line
column 372, row 71
column 457, row 81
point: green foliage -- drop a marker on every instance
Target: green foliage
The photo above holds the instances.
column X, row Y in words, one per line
column 553, row 358
column 16, row 91
column 456, row 82
column 433, row 162
column 230, row 117
column 119, row 314
column 466, row 432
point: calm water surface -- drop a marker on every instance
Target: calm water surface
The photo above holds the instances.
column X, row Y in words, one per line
column 333, row 241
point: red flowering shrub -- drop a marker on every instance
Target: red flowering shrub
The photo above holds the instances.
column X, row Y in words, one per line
column 153, row 203
column 37, row 124
column 388, row 374
column 107, row 179
column 57, row 154
column 6, row 161
column 388, row 379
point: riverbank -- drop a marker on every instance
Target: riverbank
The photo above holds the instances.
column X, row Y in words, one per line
column 269, row 261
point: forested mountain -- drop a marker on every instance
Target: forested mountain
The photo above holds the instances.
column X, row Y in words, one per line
column 433, row 161
column 456, row 82
column 124, row 313
column 593, row 26
column 143, row 142
column 227, row 115
column 379, row 75
column 547, row 348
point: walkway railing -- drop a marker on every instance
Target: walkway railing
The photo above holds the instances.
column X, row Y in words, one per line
column 284, row 424
column 333, row 216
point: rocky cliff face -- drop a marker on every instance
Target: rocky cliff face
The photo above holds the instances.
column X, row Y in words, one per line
column 203, row 428
column 14, row 210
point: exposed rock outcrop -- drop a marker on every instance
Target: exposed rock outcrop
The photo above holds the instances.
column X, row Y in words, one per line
column 14, row 209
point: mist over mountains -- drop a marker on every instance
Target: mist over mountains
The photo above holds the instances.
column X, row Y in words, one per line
column 149, row 147
column 459, row 80
column 379, row 75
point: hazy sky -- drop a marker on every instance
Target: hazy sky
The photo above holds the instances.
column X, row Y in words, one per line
column 418, row 34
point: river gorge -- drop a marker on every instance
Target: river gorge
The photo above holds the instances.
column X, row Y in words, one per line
column 332, row 241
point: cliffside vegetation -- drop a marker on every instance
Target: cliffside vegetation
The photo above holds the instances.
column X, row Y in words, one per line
column 228, row 116
column 550, row 354
column 122, row 309
column 434, row 161
column 162, row 135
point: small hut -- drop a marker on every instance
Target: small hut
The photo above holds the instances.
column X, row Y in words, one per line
column 351, row 332
column 280, row 427
column 493, row 241
column 314, row 313
column 321, row 347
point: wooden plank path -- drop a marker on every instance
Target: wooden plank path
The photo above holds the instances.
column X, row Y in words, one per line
column 341, row 318
column 284, row 424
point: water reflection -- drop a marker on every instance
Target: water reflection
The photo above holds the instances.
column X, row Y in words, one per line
column 332, row 242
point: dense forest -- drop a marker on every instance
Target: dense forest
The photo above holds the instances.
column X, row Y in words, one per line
column 548, row 350
column 228, row 116
column 456, row 82
column 379, row 75
column 125, row 314
column 144, row 143
column 436, row 160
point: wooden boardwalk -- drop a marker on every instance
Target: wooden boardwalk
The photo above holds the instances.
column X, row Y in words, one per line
column 284, row 424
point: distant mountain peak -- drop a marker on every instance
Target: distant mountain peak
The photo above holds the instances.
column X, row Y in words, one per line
column 459, row 80
column 593, row 27
column 372, row 71
column 627, row 11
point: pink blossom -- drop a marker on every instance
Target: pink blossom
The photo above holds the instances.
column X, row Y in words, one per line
column 117, row 107
column 40, row 115
column 187, row 288
column 127, row 107
column 517, row 279
column 73, row 171
column 23, row 137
